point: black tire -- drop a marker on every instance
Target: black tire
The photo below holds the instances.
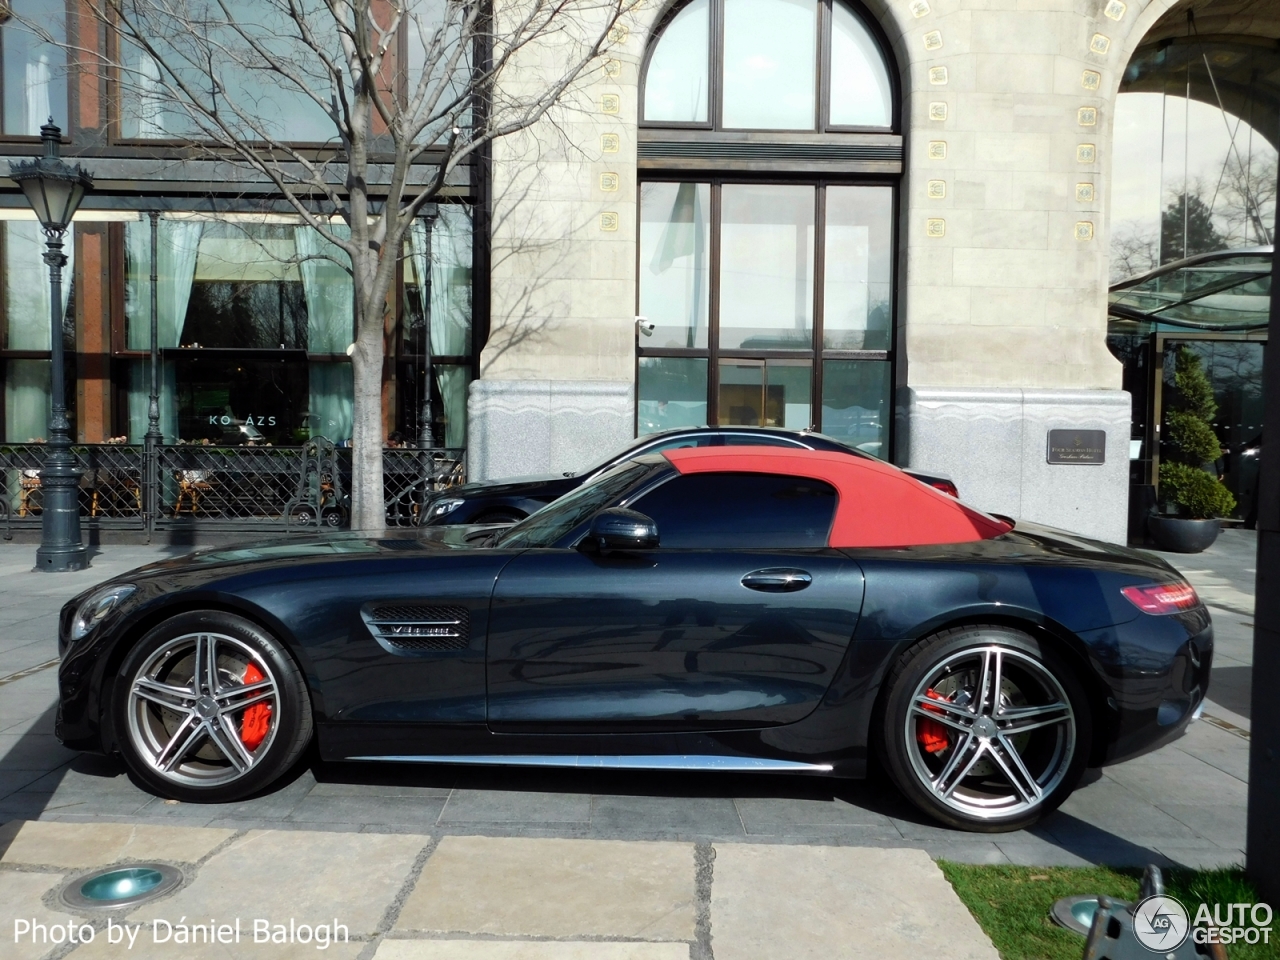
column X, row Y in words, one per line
column 303, row 516
column 970, row 773
column 505, row 515
column 160, row 703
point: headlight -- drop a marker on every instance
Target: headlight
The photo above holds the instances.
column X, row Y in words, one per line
column 441, row 507
column 96, row 606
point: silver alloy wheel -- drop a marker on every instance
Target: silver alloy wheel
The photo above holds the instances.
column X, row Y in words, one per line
column 186, row 709
column 1009, row 729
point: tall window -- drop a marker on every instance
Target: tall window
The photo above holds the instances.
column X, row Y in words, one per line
column 34, row 72
column 768, row 285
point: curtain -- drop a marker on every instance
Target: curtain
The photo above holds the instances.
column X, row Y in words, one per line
column 27, row 285
column 451, row 385
column 329, row 292
column 140, row 399
column 175, row 270
column 37, row 90
column 326, row 283
column 26, row 400
column 179, row 243
column 150, row 121
column 449, row 270
column 332, row 392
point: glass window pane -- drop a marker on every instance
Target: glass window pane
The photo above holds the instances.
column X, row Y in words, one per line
column 35, row 73
column 672, row 392
column 243, row 401
column 766, row 267
column 438, row 267
column 765, row 393
column 855, row 403
column 675, row 85
column 27, row 287
column 858, row 268
column 706, row 511
column 769, row 64
column 861, row 95
column 675, row 235
column 254, row 101
column 26, row 400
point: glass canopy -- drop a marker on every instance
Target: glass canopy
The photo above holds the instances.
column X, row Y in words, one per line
column 1228, row 292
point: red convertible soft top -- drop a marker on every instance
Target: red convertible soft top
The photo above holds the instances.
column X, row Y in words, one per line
column 878, row 506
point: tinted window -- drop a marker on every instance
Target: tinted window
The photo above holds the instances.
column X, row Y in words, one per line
column 544, row 527
column 744, row 510
column 760, row 440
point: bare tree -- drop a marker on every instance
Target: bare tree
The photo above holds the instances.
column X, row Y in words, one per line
column 1135, row 249
column 391, row 97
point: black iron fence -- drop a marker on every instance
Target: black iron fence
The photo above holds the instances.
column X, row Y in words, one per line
column 228, row 488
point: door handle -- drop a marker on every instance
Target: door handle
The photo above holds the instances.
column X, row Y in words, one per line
column 777, row 580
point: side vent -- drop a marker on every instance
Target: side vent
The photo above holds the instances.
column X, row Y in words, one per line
column 411, row 626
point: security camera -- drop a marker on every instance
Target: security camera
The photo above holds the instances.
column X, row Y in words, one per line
column 646, row 326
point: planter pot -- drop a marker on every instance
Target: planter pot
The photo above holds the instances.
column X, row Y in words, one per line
column 1183, row 536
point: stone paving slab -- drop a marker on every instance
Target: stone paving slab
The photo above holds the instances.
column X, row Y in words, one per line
column 538, row 887
column 527, row 950
column 413, row 897
column 823, row 903
column 75, row 846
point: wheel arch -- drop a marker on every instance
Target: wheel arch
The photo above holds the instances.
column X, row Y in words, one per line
column 132, row 633
column 1074, row 651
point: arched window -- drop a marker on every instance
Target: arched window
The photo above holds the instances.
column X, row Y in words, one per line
column 767, row 65
column 768, row 166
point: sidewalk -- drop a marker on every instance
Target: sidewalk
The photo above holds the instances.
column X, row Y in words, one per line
column 1182, row 804
column 417, row 897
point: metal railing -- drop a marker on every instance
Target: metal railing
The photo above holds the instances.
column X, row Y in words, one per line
column 230, row 488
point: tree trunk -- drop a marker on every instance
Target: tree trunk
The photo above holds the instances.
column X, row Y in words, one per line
column 368, row 512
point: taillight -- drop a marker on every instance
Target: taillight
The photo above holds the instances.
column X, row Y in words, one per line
column 1161, row 599
column 946, row 486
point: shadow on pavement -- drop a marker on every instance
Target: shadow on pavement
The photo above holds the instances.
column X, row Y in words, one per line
column 1230, row 687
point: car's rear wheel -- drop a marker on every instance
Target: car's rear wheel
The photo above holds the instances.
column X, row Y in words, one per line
column 210, row 708
column 986, row 728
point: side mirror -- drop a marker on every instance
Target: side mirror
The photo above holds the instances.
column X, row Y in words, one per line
column 619, row 529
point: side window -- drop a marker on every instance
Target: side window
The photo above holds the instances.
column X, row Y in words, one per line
column 740, row 510
column 676, row 443
column 760, row 440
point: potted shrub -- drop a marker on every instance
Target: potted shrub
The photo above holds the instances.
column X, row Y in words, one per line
column 1192, row 499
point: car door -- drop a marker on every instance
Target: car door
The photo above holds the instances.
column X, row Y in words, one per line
column 739, row 619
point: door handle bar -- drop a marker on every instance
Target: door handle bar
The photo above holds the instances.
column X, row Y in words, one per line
column 777, row 580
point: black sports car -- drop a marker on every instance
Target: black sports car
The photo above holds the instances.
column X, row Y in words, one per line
column 703, row 609
column 509, row 500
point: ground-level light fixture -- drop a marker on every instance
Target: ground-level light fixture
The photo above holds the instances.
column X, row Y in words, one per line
column 111, row 888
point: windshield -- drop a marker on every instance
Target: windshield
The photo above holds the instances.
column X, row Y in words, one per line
column 546, row 526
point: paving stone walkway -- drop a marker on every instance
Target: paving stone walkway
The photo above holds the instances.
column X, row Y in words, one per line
column 419, row 897
column 1183, row 804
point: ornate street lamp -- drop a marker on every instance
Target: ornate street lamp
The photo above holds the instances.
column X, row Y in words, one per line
column 54, row 189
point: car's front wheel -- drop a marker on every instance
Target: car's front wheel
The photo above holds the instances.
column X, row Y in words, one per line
column 210, row 708
column 985, row 728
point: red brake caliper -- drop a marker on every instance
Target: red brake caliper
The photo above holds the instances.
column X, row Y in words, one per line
column 931, row 734
column 257, row 719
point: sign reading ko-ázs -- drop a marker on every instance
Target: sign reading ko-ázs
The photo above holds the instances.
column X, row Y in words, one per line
column 1077, row 446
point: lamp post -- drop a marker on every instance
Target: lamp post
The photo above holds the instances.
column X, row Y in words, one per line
column 152, row 439
column 54, row 189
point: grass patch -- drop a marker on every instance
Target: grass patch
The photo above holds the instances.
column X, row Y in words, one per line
column 1011, row 904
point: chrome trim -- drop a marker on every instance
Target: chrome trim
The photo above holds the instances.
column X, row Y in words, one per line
column 1198, row 712
column 685, row 762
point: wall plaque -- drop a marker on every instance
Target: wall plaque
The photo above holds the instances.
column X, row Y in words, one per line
column 1077, row 446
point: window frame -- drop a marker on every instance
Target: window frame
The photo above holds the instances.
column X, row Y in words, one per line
column 816, row 353
column 70, row 106
column 715, row 66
